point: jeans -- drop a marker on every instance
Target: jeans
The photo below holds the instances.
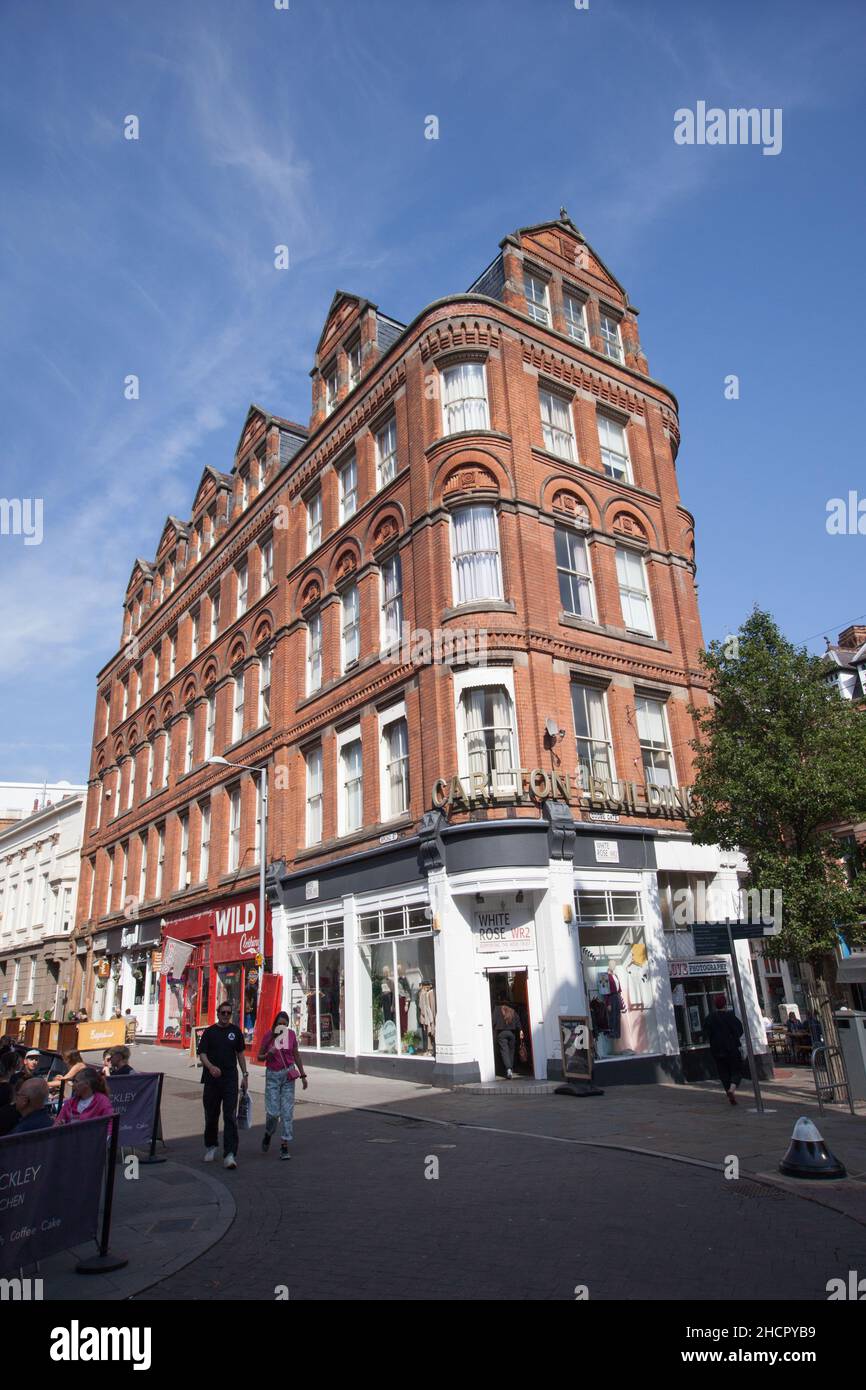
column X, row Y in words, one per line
column 505, row 1040
column 221, row 1093
column 279, row 1103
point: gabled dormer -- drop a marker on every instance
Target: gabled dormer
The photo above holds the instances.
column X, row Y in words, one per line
column 550, row 273
column 138, row 594
column 267, row 442
column 354, row 337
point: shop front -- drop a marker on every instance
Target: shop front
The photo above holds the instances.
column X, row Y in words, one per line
column 215, row 960
column 394, row 961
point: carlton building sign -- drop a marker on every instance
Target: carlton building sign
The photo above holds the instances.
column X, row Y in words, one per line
column 534, row 785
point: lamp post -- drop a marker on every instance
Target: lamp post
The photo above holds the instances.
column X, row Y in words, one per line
column 217, row 761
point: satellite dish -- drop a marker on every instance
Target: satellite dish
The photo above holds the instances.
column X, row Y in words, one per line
column 551, row 728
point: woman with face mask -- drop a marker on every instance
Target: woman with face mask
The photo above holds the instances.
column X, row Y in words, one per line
column 283, row 1066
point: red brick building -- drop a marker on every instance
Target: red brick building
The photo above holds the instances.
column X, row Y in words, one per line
column 456, row 618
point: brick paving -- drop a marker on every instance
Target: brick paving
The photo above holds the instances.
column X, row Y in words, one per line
column 512, row 1215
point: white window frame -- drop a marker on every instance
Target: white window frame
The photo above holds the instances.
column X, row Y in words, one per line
column 557, row 431
column 183, row 856
column 314, row 653
column 629, row 591
column 484, row 677
column 353, row 362
column 157, row 662
column 314, row 824
column 616, row 463
column 394, row 714
column 264, row 705
column 160, row 859
column 457, row 573
column 242, row 582
column 390, row 635
column 576, row 328
column 649, row 746
column 125, row 707
column 454, row 411
column 582, row 740
column 204, row 824
column 235, row 818
column 577, row 536
column 386, row 462
column 210, row 726
column 195, row 631
column 238, row 702
column 189, row 743
column 172, row 655
column 130, row 786
column 148, row 778
column 350, row 627
column 346, row 739
column 611, row 342
column 314, row 521
column 537, row 308
column 214, row 595
column 142, row 866
column 332, row 391
column 348, row 481
column 266, row 570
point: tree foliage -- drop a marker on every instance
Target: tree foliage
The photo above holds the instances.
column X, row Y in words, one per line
column 780, row 762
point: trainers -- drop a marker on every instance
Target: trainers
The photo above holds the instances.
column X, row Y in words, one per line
column 284, row 1151
column 510, row 1075
column 209, row 1155
column 230, row 1161
column 266, row 1143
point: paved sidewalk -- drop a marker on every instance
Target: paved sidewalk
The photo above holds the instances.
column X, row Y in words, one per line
column 162, row 1221
column 693, row 1124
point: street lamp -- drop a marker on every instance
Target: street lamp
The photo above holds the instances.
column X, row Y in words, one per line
column 217, row 761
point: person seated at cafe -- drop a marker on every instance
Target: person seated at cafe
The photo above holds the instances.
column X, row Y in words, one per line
column 74, row 1064
column 89, row 1099
column 106, row 1060
column 10, row 1067
column 31, row 1102
column 118, row 1062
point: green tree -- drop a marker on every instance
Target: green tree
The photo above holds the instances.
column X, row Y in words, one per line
column 781, row 760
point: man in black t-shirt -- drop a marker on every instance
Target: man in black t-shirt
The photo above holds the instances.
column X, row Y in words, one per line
column 221, row 1051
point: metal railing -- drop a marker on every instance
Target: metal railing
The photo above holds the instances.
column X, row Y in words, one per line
column 830, row 1076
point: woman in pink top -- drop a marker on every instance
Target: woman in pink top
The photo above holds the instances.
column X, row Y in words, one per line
column 283, row 1066
column 89, row 1099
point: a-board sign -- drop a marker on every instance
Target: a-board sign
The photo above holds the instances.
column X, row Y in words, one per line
column 575, row 1041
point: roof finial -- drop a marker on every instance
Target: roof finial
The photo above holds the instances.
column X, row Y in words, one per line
column 563, row 215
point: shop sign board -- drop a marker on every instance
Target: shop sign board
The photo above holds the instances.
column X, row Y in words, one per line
column 575, row 1042
column 711, row 938
column 94, row 1037
column 606, row 851
column 520, row 785
column 507, row 929
column 689, row 969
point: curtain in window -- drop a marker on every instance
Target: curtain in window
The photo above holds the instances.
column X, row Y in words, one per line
column 475, row 550
column 398, row 766
column 352, row 782
column 392, row 602
column 489, row 735
column 464, row 398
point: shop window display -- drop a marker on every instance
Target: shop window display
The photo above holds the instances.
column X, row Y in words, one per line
column 616, row 974
column 692, row 999
column 398, row 979
column 317, row 1007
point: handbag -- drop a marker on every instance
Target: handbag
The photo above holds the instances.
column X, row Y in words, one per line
column 522, row 1052
column 245, row 1111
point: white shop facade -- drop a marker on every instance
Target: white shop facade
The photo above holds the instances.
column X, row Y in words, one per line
column 393, row 961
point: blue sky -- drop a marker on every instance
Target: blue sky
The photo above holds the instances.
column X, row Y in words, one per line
column 306, row 127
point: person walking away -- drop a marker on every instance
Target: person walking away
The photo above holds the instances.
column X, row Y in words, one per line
column 89, row 1099
column 507, row 1032
column 31, row 1103
column 724, row 1030
column 221, row 1051
column 283, row 1066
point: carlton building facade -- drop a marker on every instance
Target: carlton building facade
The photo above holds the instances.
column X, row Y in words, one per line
column 455, row 618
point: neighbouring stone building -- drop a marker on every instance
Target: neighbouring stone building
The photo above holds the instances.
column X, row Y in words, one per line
column 40, row 858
